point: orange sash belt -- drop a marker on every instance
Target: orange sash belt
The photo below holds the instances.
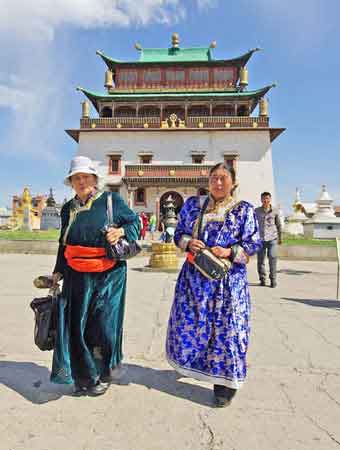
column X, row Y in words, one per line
column 190, row 258
column 87, row 259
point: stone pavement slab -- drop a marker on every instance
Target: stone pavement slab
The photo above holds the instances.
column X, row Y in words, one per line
column 291, row 400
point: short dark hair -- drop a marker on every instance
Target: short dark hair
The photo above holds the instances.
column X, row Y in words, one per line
column 266, row 194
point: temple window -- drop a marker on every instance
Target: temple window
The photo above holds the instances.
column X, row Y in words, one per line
column 198, row 110
column 223, row 110
column 140, row 196
column 197, row 159
column 243, row 110
column 175, row 75
column 115, row 165
column 223, row 75
column 153, row 76
column 125, row 111
column 199, row 75
column 148, row 111
column 230, row 159
column 145, row 159
column 106, row 112
column 127, row 77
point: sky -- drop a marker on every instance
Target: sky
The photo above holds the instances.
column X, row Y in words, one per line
column 48, row 47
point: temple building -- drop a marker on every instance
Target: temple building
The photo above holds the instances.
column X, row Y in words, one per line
column 168, row 117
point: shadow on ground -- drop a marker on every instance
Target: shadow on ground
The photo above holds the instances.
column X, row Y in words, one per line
column 31, row 381
column 167, row 381
column 294, row 272
column 335, row 304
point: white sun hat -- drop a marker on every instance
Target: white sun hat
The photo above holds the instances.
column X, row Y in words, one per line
column 80, row 164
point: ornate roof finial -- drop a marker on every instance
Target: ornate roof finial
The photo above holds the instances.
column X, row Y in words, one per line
column 175, row 40
column 213, row 44
column 138, row 46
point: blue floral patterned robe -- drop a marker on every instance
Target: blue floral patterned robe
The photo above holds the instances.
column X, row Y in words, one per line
column 208, row 330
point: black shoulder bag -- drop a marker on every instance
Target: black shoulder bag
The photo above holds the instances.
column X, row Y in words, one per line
column 45, row 314
column 123, row 249
column 205, row 261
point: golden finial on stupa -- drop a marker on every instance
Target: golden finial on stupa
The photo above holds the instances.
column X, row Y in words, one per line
column 175, row 40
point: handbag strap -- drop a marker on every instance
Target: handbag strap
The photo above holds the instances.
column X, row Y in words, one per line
column 200, row 220
column 109, row 211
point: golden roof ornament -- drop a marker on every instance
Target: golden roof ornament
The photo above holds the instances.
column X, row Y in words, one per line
column 175, row 40
column 138, row 46
column 213, row 44
column 108, row 79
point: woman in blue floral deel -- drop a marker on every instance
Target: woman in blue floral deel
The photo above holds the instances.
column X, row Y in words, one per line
column 208, row 330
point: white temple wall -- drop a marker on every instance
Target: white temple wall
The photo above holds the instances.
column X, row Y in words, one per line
column 254, row 165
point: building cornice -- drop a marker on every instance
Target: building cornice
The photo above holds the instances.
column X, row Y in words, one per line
column 75, row 132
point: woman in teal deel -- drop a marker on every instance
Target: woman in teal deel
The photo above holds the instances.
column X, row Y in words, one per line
column 88, row 350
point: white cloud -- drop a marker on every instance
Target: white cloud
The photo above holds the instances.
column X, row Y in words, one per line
column 40, row 19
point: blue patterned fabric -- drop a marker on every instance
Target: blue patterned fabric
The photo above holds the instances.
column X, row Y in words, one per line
column 208, row 330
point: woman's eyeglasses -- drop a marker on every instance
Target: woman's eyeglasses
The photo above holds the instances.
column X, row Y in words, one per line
column 216, row 178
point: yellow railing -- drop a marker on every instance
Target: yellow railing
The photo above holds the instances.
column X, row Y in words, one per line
column 191, row 122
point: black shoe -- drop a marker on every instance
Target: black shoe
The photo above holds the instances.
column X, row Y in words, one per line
column 262, row 283
column 223, row 395
column 273, row 284
column 97, row 389
column 79, row 391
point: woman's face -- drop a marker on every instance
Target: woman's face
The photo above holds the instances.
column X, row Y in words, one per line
column 83, row 184
column 220, row 184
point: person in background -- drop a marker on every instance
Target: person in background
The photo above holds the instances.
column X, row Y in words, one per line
column 271, row 234
column 145, row 222
column 152, row 225
column 90, row 311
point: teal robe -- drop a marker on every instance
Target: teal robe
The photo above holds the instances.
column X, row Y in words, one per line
column 91, row 308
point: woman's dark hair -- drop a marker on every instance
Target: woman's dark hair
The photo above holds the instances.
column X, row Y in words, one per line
column 228, row 168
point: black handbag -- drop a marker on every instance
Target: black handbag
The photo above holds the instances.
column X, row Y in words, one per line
column 45, row 326
column 205, row 261
column 123, row 249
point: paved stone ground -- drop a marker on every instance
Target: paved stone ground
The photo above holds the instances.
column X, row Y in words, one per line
column 291, row 400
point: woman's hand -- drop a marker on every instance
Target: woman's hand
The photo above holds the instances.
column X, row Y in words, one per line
column 221, row 252
column 56, row 277
column 114, row 234
column 195, row 245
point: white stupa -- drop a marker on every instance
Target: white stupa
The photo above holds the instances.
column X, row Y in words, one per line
column 324, row 224
column 295, row 222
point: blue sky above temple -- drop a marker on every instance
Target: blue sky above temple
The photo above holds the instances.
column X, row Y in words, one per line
column 49, row 47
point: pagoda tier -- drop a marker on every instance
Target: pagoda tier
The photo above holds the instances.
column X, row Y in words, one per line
column 177, row 67
column 208, row 100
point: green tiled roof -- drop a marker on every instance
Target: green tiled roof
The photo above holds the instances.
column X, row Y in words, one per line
column 94, row 97
column 177, row 55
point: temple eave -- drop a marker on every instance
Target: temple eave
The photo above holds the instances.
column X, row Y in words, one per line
column 275, row 132
column 75, row 133
column 168, row 181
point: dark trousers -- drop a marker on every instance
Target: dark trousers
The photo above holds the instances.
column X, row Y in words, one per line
column 269, row 248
